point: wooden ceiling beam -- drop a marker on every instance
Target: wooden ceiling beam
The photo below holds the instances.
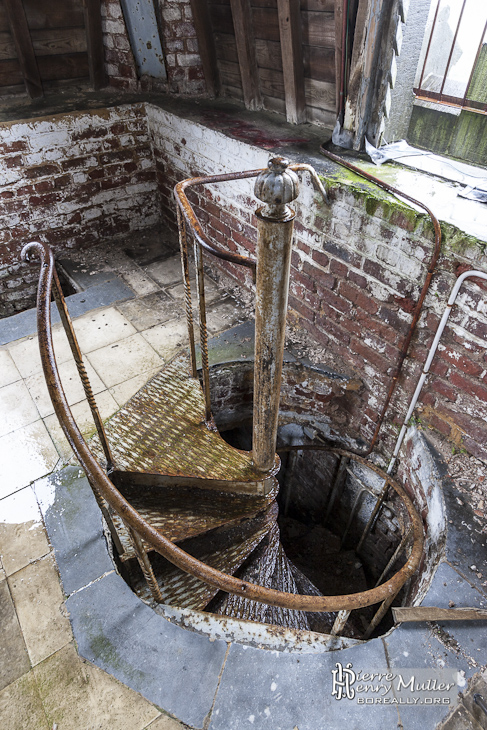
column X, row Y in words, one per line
column 24, row 48
column 290, row 25
column 206, row 45
column 245, row 39
column 94, row 41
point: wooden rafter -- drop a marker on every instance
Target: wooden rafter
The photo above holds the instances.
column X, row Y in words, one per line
column 244, row 36
column 94, row 39
column 206, row 45
column 24, row 48
column 292, row 60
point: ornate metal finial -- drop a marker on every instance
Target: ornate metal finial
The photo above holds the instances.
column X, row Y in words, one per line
column 276, row 187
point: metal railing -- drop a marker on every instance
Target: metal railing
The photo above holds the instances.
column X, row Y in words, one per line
column 108, row 495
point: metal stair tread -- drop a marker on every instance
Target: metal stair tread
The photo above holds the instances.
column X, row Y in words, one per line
column 180, row 513
column 186, row 591
column 161, row 430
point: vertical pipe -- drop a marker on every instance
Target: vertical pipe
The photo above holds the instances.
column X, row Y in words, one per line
column 275, row 187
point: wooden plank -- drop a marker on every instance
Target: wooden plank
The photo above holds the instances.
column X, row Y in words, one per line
column 221, row 18
column 242, row 23
column 339, row 54
column 4, row 26
column 66, row 66
column 10, row 73
column 319, row 5
column 231, row 91
column 50, row 14
column 322, row 117
column 206, row 44
column 226, row 48
column 432, row 613
column 268, row 54
column 265, row 23
column 274, row 105
column 272, row 83
column 24, row 48
column 292, row 59
column 318, row 29
column 264, row 4
column 319, row 63
column 53, row 41
column 94, row 40
column 320, row 94
column 230, row 74
column 7, row 46
column 50, row 42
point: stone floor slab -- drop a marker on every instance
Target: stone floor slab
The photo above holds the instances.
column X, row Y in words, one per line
column 148, row 311
column 17, row 407
column 164, row 722
column 21, row 706
column 173, row 668
column 101, row 328
column 167, row 338
column 73, row 520
column 8, row 371
column 72, row 386
column 223, row 316
column 124, row 360
column 107, row 406
column 14, row 659
column 23, row 538
column 25, row 455
column 279, row 690
column 168, row 272
column 39, row 603
column 77, row 695
column 124, row 391
column 27, row 357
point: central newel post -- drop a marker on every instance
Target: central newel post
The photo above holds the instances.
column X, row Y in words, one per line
column 276, row 187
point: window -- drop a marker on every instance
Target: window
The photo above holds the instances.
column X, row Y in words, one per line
column 453, row 62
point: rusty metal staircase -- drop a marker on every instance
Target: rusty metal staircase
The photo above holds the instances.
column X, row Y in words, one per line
column 194, row 520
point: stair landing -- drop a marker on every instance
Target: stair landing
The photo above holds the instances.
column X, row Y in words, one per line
column 160, row 438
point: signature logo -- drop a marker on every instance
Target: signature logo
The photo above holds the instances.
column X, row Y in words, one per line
column 342, row 680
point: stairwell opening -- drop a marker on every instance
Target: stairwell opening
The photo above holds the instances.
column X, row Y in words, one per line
column 323, row 506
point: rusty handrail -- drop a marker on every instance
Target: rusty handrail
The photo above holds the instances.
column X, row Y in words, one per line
column 384, row 593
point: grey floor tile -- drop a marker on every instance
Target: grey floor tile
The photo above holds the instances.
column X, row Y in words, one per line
column 173, row 668
column 281, row 691
column 74, row 524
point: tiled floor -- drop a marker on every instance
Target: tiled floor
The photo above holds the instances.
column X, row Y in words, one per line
column 43, row 682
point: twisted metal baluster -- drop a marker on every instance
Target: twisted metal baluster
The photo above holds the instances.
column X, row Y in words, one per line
column 198, row 255
column 183, row 245
column 145, row 565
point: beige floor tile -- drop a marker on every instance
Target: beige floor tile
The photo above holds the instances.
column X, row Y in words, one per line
column 25, row 455
column 164, row 722
column 72, row 386
column 168, row 337
column 223, row 316
column 39, row 603
column 168, row 272
column 107, row 406
column 23, row 538
column 140, row 283
column 126, row 390
column 26, row 352
column 151, row 310
column 14, row 660
column 212, row 293
column 128, row 358
column 21, row 707
column 101, row 328
column 8, row 370
column 77, row 695
column 17, row 408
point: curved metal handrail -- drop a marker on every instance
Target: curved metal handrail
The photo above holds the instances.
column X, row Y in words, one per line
column 384, row 593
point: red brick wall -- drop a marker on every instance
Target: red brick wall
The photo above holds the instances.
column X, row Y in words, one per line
column 71, row 180
column 357, row 270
